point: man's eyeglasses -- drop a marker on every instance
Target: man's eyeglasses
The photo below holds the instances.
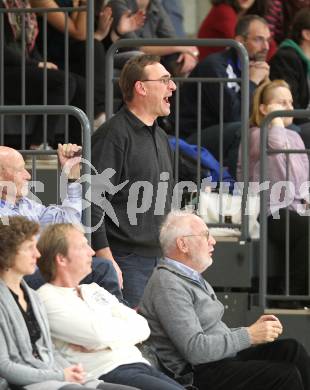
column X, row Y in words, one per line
column 164, row 80
column 205, row 234
column 259, row 40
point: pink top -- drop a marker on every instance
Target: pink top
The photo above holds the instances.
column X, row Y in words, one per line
column 298, row 173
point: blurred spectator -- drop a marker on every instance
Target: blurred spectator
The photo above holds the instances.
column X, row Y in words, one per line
column 253, row 32
column 34, row 71
column 275, row 17
column 179, row 60
column 77, row 30
column 222, row 19
column 174, row 9
column 280, row 15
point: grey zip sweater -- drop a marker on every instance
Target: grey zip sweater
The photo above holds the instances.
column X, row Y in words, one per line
column 17, row 364
column 185, row 318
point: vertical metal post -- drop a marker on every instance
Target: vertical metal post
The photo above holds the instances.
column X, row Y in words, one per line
column 1, row 76
column 287, row 234
column 177, row 133
column 245, row 109
column 109, row 85
column 263, row 219
column 23, row 80
column 90, row 63
column 199, row 98
column 45, row 77
column 66, row 75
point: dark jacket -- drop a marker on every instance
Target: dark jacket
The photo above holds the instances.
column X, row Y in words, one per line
column 224, row 64
column 286, row 64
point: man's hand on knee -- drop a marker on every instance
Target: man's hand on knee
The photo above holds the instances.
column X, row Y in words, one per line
column 266, row 329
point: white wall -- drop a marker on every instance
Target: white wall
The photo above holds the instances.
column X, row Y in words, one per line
column 194, row 12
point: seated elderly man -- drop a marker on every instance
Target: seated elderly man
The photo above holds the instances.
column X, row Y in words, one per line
column 88, row 324
column 14, row 180
column 186, row 324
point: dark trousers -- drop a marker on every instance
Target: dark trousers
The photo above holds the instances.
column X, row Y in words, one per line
column 78, row 51
column 34, row 95
column 281, row 365
column 136, row 271
column 102, row 386
column 305, row 133
column 299, row 246
column 103, row 273
column 210, row 139
column 142, row 376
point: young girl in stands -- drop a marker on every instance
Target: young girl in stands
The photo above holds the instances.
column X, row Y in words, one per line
column 273, row 96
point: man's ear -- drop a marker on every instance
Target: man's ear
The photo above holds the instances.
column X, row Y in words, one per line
column 60, row 260
column 140, row 88
column 305, row 35
column 239, row 38
column 181, row 244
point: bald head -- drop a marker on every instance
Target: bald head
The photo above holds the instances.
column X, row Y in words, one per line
column 13, row 174
column 9, row 157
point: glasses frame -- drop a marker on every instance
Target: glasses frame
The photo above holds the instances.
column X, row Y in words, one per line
column 206, row 234
column 258, row 39
column 164, row 80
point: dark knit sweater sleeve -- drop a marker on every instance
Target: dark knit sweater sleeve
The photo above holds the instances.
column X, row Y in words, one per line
column 106, row 155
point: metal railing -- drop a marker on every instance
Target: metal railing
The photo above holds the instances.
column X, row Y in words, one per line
column 244, row 80
column 264, row 297
column 89, row 64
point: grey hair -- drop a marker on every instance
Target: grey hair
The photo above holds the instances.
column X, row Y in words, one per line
column 172, row 228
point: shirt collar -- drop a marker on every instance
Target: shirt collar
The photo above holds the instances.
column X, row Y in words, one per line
column 135, row 122
column 187, row 271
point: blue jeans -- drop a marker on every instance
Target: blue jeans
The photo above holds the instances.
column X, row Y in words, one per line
column 103, row 273
column 142, row 376
column 136, row 272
